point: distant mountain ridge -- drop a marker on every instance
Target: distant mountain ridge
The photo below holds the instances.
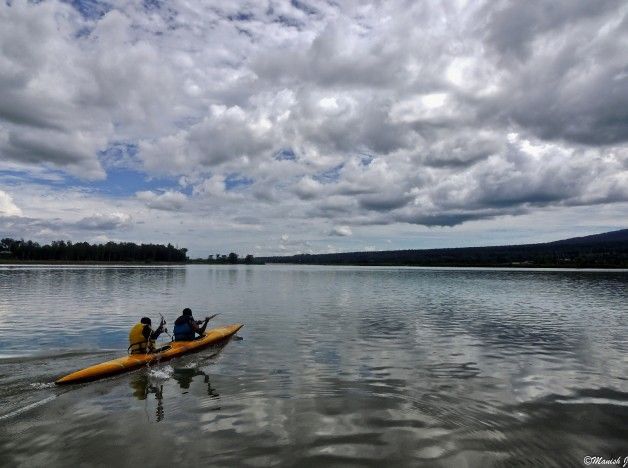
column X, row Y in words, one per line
column 611, row 236
column 605, row 250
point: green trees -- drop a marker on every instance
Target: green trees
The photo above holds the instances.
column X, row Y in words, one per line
column 83, row 251
column 231, row 259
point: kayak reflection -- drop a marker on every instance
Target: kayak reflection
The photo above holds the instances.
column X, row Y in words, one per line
column 185, row 376
column 142, row 387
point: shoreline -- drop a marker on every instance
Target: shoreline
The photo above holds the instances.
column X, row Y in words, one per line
column 84, row 262
column 479, row 266
column 381, row 265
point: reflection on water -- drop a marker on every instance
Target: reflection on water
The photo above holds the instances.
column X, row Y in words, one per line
column 185, row 376
column 339, row 367
column 142, row 387
column 149, row 382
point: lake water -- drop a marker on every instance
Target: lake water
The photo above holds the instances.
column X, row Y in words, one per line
column 336, row 366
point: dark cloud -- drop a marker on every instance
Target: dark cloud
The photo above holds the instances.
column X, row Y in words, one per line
column 512, row 26
column 565, row 68
column 449, row 219
column 22, row 148
column 384, row 202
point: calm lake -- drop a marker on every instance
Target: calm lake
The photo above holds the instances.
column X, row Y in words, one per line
column 336, row 366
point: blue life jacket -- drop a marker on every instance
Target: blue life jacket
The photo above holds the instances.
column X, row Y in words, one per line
column 183, row 331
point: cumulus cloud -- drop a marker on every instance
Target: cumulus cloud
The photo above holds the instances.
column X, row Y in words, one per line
column 224, row 135
column 167, row 201
column 104, row 222
column 7, row 207
column 319, row 113
column 341, row 231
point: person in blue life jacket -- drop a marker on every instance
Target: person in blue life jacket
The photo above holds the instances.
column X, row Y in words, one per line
column 142, row 336
column 185, row 327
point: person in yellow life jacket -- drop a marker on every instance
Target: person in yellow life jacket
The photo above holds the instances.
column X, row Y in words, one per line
column 142, row 337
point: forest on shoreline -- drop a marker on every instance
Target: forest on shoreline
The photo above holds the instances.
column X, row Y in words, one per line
column 606, row 250
column 12, row 250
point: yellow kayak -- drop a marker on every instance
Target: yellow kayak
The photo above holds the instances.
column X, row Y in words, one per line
column 135, row 361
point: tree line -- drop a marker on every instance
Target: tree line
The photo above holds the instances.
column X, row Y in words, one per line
column 84, row 251
column 607, row 250
column 231, row 259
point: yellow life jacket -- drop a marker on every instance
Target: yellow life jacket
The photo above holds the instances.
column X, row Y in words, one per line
column 138, row 344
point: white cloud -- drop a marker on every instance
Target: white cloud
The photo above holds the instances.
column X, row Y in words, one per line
column 7, row 207
column 391, row 114
column 167, row 201
column 341, row 231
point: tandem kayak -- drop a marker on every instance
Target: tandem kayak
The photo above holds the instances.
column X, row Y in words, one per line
column 135, row 361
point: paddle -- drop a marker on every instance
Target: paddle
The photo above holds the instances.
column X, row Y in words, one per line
column 198, row 322
column 163, row 322
column 208, row 318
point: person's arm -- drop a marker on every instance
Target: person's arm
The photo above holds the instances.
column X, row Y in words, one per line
column 151, row 334
column 197, row 327
column 155, row 334
column 201, row 328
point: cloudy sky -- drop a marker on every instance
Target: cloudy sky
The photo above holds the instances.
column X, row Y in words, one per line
column 277, row 127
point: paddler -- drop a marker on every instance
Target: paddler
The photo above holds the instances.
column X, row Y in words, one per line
column 142, row 336
column 185, row 327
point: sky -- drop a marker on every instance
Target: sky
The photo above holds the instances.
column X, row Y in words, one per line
column 283, row 127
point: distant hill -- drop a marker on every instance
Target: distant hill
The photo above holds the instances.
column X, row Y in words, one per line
column 605, row 237
column 606, row 250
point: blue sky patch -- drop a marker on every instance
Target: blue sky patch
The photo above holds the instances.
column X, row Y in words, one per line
column 366, row 159
column 152, row 4
column 329, row 176
column 122, row 181
column 289, row 22
column 241, row 16
column 237, row 181
column 304, row 7
column 90, row 9
column 286, row 154
column 119, row 154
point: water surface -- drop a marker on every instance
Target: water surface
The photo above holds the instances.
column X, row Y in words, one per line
column 337, row 366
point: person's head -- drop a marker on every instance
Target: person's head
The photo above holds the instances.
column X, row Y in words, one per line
column 187, row 312
column 145, row 321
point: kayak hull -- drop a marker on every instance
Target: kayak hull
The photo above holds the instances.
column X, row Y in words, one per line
column 135, row 361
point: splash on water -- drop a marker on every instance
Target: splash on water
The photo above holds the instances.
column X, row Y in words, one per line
column 161, row 373
column 42, row 385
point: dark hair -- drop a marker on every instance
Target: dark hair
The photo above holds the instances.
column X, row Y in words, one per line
column 187, row 311
column 145, row 321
